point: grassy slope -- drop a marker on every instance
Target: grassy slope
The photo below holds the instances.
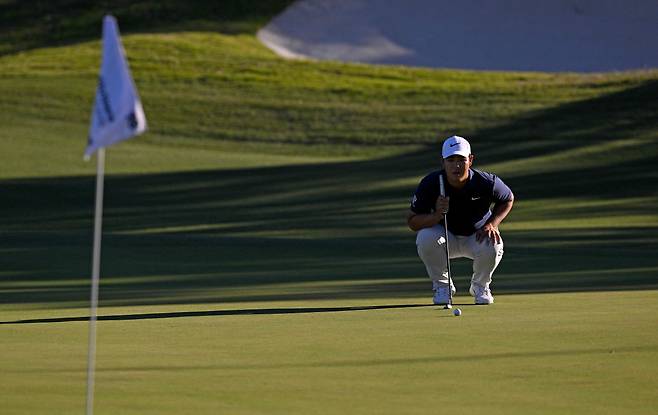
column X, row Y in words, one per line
column 345, row 146
column 271, row 184
column 29, row 25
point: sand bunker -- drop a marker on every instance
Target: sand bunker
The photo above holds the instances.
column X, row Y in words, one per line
column 524, row 35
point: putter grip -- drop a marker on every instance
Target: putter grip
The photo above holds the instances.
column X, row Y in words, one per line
column 443, row 189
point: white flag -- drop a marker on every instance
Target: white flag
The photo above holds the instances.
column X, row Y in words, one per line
column 118, row 113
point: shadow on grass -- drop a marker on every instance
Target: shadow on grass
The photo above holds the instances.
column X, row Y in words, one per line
column 630, row 112
column 243, row 312
column 428, row 359
column 28, row 25
column 331, row 230
column 417, row 360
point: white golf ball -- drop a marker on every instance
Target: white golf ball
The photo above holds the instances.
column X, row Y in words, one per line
column 457, row 312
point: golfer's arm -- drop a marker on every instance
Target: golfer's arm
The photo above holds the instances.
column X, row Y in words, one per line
column 500, row 212
column 418, row 221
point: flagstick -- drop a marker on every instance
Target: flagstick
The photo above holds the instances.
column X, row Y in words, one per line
column 96, row 265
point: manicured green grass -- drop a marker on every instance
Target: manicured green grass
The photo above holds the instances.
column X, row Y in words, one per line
column 271, row 186
column 585, row 353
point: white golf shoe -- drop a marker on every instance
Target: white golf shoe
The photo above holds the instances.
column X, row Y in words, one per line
column 482, row 294
column 441, row 294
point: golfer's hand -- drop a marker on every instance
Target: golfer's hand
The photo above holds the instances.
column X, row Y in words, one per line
column 488, row 233
column 442, row 205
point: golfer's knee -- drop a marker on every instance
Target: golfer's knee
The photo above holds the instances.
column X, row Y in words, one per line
column 428, row 239
column 490, row 251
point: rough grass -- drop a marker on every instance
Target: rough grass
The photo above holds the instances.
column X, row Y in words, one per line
column 29, row 25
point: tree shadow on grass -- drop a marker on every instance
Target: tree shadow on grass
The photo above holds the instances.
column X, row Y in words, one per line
column 329, row 230
column 630, row 112
column 29, row 25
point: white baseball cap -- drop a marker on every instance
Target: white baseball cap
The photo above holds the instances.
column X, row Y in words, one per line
column 456, row 145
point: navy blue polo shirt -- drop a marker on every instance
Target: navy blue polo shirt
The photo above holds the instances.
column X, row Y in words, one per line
column 470, row 207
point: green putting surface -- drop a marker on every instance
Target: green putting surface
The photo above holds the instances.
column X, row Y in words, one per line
column 540, row 353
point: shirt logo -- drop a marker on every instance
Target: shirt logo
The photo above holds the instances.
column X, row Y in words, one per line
column 475, row 198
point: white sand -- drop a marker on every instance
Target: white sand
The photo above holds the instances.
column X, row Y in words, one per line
column 528, row 35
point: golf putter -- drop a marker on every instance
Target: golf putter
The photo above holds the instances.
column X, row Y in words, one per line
column 445, row 226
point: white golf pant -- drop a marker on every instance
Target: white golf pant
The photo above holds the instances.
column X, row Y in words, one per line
column 430, row 243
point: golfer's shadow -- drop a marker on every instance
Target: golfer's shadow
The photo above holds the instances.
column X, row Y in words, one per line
column 210, row 313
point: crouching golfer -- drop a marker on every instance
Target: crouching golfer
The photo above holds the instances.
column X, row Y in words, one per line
column 472, row 222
